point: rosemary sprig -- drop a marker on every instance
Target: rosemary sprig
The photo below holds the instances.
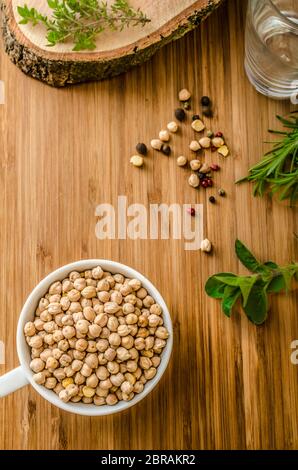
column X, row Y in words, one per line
column 277, row 172
column 81, row 21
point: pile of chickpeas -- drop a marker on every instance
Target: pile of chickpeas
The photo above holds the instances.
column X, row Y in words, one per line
column 96, row 337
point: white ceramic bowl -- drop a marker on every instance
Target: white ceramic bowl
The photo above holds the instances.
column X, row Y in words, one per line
column 23, row 375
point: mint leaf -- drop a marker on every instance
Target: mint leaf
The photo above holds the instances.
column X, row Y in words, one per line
column 246, row 285
column 247, row 258
column 215, row 288
column 231, row 294
column 276, row 285
column 257, row 305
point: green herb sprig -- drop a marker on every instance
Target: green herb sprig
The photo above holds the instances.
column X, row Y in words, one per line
column 252, row 291
column 277, row 172
column 81, row 21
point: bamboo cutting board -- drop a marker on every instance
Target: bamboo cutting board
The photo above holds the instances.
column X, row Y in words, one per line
column 64, row 151
column 115, row 52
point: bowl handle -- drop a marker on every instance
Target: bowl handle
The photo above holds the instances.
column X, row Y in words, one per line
column 12, row 381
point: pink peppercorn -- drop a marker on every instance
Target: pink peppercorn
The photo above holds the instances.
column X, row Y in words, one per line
column 209, row 182
column 219, row 134
column 214, row 167
column 204, row 183
column 191, row 211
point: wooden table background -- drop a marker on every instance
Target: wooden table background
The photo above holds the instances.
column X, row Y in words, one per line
column 229, row 384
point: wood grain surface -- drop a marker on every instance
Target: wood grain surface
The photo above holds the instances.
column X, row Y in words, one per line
column 230, row 385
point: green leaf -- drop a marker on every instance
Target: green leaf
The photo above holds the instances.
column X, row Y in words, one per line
column 246, row 257
column 231, row 294
column 271, row 265
column 246, row 286
column 215, row 288
column 257, row 305
column 276, row 285
column 230, row 279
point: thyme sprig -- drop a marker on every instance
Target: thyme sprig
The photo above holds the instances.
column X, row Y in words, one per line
column 277, row 172
column 81, row 21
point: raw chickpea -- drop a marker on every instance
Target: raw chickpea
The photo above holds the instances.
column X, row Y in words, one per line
column 36, row 352
column 59, row 374
column 149, row 353
column 39, row 378
column 82, row 326
column 135, row 284
column 117, row 379
column 65, row 360
column 138, row 387
column 110, row 280
column 45, row 354
column 52, row 364
column 36, row 341
column 55, row 288
column 43, row 303
column 103, row 393
column 127, row 342
column 50, row 383
column 92, row 381
column 122, row 354
column 81, row 344
column 131, row 366
column 74, row 275
column 46, row 316
column 153, row 320
column 148, row 301
column 113, row 367
column 143, row 321
column 78, row 354
column 119, row 394
column 88, row 392
column 123, row 330
column 58, row 319
column 125, row 290
column 112, row 323
column 67, row 285
column 118, row 278
column 103, row 285
column 74, row 295
column 102, row 373
column 149, row 342
column 105, row 384
column 72, row 390
column 54, row 308
column 150, row 373
column 89, row 314
column 97, row 272
column 77, row 365
column 159, row 344
column 131, row 319
column 86, row 302
column 138, row 373
column 38, row 325
column 141, row 293
column 75, row 307
column 162, row 332
column 155, row 309
column 121, row 320
column 87, row 400
column 37, row 365
column 128, row 308
column 138, row 305
column 79, row 283
column 67, row 320
column 139, row 344
column 123, row 368
column 98, row 308
column 94, row 330
column 126, row 387
column 134, row 353
column 155, row 361
column 86, row 371
column 29, row 329
column 152, row 331
column 101, row 319
column 131, row 299
column 111, row 307
column 142, row 333
column 145, row 362
column 58, row 388
column 91, row 360
column 111, row 399
column 69, row 371
column 114, row 339
column 102, row 345
column 142, row 379
column 64, row 396
column 89, row 292
column 116, row 297
column 101, row 359
column 110, row 354
column 133, row 329
column 103, row 296
column 55, row 298
column 72, row 342
column 65, row 303
column 91, row 346
column 68, row 332
column 57, row 336
column 79, row 378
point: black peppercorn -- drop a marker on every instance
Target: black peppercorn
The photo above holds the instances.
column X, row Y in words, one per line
column 141, row 149
column 180, row 114
column 202, row 176
column 205, row 101
column 207, row 111
column 212, row 199
column 196, row 117
column 166, row 149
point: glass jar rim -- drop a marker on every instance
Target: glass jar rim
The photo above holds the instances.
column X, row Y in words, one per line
column 285, row 18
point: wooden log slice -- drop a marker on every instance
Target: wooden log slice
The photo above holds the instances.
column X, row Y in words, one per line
column 115, row 52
